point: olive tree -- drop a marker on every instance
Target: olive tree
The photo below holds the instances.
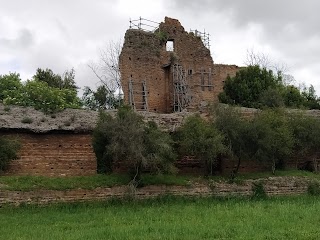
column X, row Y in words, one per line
column 203, row 140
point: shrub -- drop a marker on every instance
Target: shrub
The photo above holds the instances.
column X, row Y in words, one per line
column 27, row 120
column 314, row 188
column 127, row 140
column 8, row 152
column 258, row 191
column 203, row 140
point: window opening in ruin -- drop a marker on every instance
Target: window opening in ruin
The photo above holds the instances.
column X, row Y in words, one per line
column 190, row 72
column 170, row 46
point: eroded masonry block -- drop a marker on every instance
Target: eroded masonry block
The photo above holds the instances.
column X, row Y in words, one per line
column 169, row 69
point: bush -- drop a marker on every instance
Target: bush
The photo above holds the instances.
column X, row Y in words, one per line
column 314, row 188
column 127, row 140
column 27, row 120
column 258, row 191
column 8, row 151
column 201, row 139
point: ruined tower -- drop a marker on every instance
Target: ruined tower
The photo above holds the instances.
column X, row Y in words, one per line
column 169, row 69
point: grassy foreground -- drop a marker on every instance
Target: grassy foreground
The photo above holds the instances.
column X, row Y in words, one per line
column 167, row 218
column 29, row 183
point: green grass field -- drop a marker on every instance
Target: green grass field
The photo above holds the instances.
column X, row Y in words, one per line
column 28, row 183
column 167, row 218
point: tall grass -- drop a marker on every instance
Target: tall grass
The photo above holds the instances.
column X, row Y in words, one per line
column 167, row 218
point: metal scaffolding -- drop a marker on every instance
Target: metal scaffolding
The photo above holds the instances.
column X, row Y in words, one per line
column 138, row 95
column 181, row 96
column 205, row 37
column 144, row 24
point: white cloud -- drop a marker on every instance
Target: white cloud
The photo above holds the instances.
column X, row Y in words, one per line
column 65, row 34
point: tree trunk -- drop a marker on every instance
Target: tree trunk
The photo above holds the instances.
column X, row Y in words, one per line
column 236, row 170
column 273, row 167
column 315, row 164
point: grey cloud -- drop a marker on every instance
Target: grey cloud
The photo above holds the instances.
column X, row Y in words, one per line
column 24, row 40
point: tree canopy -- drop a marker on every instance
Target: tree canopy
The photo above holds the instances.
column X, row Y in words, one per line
column 258, row 87
column 47, row 91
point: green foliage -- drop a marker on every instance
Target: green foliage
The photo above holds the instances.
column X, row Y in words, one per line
column 162, row 36
column 314, row 188
column 27, row 120
column 247, row 86
column 201, row 139
column 292, row 97
column 102, row 135
column 102, row 98
column 258, row 87
column 258, row 191
column 166, row 218
column 66, row 81
column 312, row 100
column 238, row 132
column 8, row 151
column 271, row 98
column 9, row 84
column 159, row 149
column 38, row 93
column 127, row 140
column 306, row 132
column 273, row 137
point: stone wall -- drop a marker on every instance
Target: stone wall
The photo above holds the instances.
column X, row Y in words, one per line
column 53, row 154
column 144, row 57
column 273, row 186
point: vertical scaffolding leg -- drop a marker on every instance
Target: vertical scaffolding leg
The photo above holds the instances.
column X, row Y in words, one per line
column 145, row 96
column 131, row 98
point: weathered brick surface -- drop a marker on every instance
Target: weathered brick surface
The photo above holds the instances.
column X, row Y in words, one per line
column 144, row 58
column 54, row 154
column 272, row 186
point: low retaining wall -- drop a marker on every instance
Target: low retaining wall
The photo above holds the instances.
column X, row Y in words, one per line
column 273, row 186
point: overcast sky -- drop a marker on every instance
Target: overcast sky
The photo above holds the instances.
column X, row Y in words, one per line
column 65, row 34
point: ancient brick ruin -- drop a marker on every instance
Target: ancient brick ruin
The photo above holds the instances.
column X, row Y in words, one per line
column 169, row 69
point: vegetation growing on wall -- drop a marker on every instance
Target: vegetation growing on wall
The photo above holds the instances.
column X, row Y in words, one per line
column 8, row 151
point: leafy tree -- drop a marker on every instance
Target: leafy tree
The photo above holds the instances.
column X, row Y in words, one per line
column 41, row 93
column 102, row 98
column 306, row 132
column 66, row 81
column 159, row 149
column 102, row 137
column 203, row 140
column 292, row 97
column 238, row 134
column 8, row 151
column 126, row 139
column 312, row 100
column 273, row 138
column 247, row 86
column 271, row 98
column 40, row 96
column 8, row 84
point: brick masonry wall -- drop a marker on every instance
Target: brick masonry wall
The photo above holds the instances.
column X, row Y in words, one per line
column 54, row 154
column 273, row 186
column 144, row 58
